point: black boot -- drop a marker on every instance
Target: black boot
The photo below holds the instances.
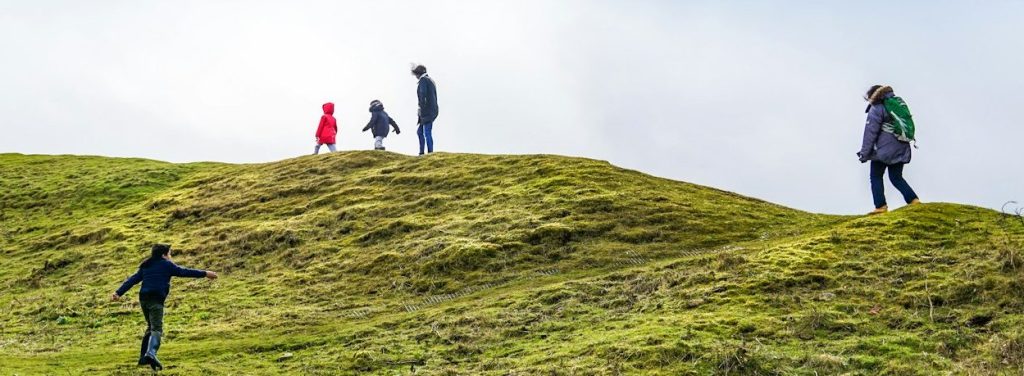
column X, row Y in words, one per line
column 142, row 351
column 154, row 345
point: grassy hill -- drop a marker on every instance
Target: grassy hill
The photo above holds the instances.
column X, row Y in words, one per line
column 376, row 263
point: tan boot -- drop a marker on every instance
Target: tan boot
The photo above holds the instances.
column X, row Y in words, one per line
column 915, row 202
column 881, row 210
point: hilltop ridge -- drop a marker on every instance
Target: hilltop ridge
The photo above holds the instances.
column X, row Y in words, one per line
column 377, row 263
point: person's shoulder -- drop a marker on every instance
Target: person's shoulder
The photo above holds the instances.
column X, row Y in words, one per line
column 167, row 263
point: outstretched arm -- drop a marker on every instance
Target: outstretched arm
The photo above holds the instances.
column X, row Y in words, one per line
column 128, row 284
column 391, row 121
column 373, row 120
column 192, row 273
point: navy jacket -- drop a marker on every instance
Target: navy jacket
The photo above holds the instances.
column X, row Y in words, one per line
column 426, row 91
column 379, row 121
column 156, row 279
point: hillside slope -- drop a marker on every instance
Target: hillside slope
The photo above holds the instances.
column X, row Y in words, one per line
column 376, row 263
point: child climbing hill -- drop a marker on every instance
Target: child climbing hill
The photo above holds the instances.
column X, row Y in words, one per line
column 327, row 130
column 379, row 121
column 155, row 274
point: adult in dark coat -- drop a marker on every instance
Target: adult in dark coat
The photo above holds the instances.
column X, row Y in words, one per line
column 884, row 151
column 426, row 93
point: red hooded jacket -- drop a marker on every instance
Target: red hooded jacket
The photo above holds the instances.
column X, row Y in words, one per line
column 328, row 127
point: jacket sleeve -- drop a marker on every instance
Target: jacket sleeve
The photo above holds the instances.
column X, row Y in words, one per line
column 178, row 271
column 391, row 121
column 130, row 282
column 872, row 128
column 320, row 128
column 432, row 100
column 421, row 93
column 373, row 120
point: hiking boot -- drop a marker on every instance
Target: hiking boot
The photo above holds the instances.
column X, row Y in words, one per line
column 915, row 202
column 150, row 357
column 881, row 210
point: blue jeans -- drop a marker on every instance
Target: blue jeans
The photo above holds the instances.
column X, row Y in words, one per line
column 426, row 137
column 895, row 176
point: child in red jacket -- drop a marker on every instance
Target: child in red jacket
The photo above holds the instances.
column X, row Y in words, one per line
column 327, row 129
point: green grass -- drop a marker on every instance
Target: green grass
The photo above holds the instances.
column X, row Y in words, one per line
column 376, row 263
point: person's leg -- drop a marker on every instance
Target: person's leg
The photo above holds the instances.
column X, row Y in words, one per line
column 378, row 143
column 877, row 184
column 428, row 134
column 156, row 317
column 145, row 337
column 896, row 177
column 156, row 325
column 419, row 133
column 316, row 150
column 331, row 148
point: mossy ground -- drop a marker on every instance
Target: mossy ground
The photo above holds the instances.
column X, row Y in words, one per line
column 376, row 263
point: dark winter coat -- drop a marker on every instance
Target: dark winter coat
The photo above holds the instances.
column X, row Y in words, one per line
column 878, row 145
column 379, row 121
column 155, row 276
column 426, row 91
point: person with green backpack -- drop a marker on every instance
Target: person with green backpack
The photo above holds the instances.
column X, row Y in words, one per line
column 888, row 134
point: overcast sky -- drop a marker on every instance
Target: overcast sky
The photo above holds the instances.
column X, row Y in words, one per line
column 761, row 98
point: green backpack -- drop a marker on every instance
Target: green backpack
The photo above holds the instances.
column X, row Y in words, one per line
column 899, row 122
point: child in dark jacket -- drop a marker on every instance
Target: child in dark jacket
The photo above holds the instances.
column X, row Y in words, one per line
column 155, row 274
column 379, row 121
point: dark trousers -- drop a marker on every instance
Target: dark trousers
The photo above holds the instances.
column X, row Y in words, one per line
column 895, row 176
column 153, row 311
column 425, row 132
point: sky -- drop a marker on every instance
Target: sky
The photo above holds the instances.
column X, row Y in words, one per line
column 760, row 98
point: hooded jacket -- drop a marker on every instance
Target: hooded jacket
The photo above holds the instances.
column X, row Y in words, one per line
column 328, row 128
column 878, row 145
column 379, row 121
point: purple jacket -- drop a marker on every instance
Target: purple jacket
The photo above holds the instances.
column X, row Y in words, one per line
column 878, row 145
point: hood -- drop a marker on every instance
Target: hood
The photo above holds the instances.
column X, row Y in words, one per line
column 880, row 94
column 376, row 106
column 329, row 108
